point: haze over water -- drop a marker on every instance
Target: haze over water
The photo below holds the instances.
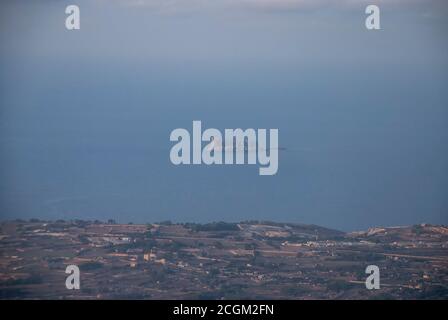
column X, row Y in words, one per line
column 85, row 116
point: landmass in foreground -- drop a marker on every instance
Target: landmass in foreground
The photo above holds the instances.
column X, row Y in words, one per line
column 247, row 260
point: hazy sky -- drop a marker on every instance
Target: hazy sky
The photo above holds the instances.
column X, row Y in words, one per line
column 85, row 116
